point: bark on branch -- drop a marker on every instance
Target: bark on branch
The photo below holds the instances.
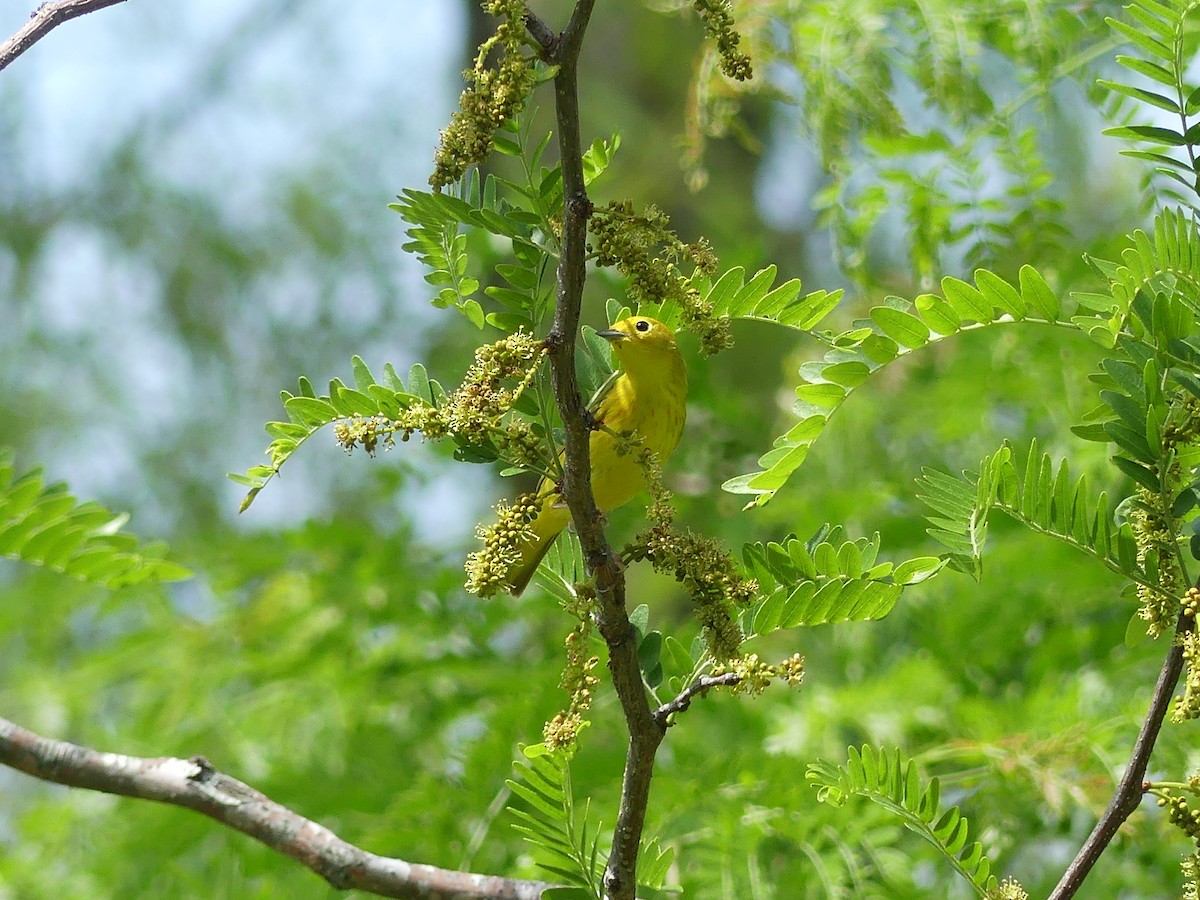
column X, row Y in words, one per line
column 645, row 732
column 196, row 785
column 700, row 687
column 45, row 19
column 1131, row 788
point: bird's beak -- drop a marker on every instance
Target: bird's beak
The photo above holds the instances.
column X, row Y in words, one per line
column 613, row 335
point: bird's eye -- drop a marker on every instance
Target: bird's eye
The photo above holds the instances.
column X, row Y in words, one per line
column 642, row 325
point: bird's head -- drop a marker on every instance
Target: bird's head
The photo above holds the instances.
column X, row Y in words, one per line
column 645, row 347
column 640, row 337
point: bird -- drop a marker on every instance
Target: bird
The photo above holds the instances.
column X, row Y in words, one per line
column 645, row 398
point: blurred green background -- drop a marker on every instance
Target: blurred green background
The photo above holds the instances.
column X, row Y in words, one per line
column 193, row 213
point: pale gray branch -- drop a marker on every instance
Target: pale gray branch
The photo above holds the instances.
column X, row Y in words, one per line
column 196, row 785
column 45, row 19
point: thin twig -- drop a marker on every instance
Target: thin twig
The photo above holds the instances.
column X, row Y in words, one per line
column 1131, row 788
column 194, row 784
column 700, row 686
column 546, row 39
column 45, row 19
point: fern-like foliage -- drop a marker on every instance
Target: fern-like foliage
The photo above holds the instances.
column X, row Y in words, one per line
column 731, row 295
column 567, row 846
column 1132, row 413
column 758, row 299
column 309, row 413
column 951, row 183
column 522, row 212
column 892, row 331
column 550, row 822
column 826, row 579
column 1044, row 498
column 45, row 526
column 563, row 568
column 1165, row 45
column 1154, row 295
column 1155, row 287
column 893, row 782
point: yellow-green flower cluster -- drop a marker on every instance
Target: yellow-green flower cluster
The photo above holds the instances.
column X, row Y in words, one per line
column 428, row 420
column 488, row 568
column 474, row 410
column 1183, row 423
column 578, row 681
column 365, row 433
column 474, row 413
column 1187, row 704
column 644, row 248
column 755, row 676
column 700, row 564
column 719, row 26
column 1154, row 537
column 1190, row 866
column 1180, row 814
column 1008, row 889
column 517, row 442
column 492, row 97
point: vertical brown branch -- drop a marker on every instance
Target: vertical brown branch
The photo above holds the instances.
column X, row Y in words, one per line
column 645, row 733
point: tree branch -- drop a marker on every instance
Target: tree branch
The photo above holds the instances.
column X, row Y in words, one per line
column 545, row 37
column 45, row 19
column 1131, row 788
column 196, row 785
column 645, row 733
column 700, row 686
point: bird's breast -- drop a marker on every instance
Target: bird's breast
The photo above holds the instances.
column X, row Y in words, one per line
column 650, row 413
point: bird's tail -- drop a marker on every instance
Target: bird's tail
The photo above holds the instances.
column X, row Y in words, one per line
column 552, row 519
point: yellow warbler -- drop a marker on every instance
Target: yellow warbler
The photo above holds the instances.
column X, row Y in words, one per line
column 644, row 399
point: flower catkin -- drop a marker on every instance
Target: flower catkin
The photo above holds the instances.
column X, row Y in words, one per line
column 492, row 97
column 502, row 540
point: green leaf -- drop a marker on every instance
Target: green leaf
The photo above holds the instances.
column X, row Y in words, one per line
column 861, row 351
column 1143, row 41
column 1131, row 441
column 783, row 305
column 1042, row 499
column 473, row 311
column 1144, row 96
column 966, row 301
column 938, row 314
column 892, row 782
column 914, row 571
column 362, row 375
column 1152, row 133
column 310, row 410
column 835, row 581
column 902, row 327
column 551, row 823
column 1151, row 70
column 1092, row 432
column 1142, row 475
column 999, row 293
column 1037, row 294
column 46, row 527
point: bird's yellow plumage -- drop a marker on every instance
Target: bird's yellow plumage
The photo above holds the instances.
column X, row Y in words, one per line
column 647, row 399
